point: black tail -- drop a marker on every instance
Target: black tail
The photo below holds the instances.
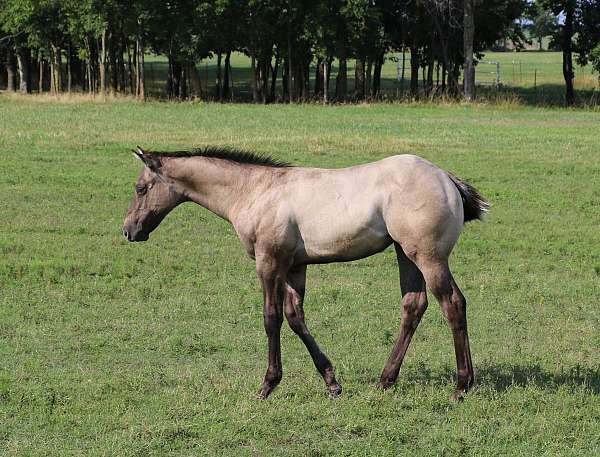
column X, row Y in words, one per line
column 473, row 203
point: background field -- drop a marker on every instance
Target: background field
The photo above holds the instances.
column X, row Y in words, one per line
column 534, row 77
column 157, row 348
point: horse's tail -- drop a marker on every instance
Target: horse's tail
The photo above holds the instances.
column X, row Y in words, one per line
column 475, row 206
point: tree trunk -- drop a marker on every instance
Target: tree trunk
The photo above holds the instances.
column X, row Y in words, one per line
column 55, row 73
column 183, row 90
column 254, row 86
column 11, row 70
column 88, row 65
column 40, row 72
column 377, row 74
column 23, row 68
column 359, row 78
column 369, row 76
column 327, row 76
column 121, row 62
column 306, row 78
column 468, row 35
column 326, row 68
column 429, row 81
column 103, row 63
column 290, row 68
column 112, row 65
column 131, row 71
column 285, row 79
column 141, row 81
column 403, row 69
column 219, row 81
column 443, row 78
column 265, row 71
column 341, row 82
column 195, row 86
column 567, row 49
column 175, row 78
column 414, row 71
column 319, row 80
column 69, row 72
column 274, row 71
column 227, row 75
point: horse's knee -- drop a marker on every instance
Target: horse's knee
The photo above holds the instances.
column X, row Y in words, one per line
column 294, row 320
column 414, row 304
column 455, row 310
column 272, row 319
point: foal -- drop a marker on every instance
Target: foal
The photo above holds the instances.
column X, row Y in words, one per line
column 289, row 217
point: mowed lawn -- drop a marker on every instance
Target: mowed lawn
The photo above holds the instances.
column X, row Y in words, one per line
column 109, row 348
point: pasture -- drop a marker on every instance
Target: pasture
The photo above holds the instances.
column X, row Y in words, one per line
column 157, row 348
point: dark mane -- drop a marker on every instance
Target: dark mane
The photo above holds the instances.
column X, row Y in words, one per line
column 224, row 152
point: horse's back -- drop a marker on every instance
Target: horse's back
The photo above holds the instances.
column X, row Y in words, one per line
column 354, row 212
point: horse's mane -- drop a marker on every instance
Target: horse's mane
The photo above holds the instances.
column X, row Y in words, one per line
column 225, row 153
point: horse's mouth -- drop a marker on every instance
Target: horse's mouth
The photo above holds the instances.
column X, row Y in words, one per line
column 133, row 237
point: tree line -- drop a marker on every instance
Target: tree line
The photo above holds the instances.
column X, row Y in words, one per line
column 99, row 46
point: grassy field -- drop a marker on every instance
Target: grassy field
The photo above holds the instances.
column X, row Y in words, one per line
column 535, row 77
column 115, row 349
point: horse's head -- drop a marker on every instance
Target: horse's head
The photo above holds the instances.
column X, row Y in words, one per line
column 155, row 196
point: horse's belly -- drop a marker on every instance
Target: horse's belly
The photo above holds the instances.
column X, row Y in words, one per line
column 334, row 241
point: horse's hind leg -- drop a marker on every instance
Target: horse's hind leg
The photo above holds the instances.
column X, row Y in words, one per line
column 294, row 312
column 454, row 306
column 414, row 304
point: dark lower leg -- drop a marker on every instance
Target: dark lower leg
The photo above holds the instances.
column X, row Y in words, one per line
column 454, row 306
column 414, row 304
column 273, row 318
column 294, row 312
column 457, row 317
column 322, row 363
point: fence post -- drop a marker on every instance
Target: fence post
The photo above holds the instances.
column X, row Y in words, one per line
column 497, row 74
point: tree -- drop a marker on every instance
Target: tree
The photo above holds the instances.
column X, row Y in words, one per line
column 564, row 37
column 543, row 22
column 587, row 43
column 468, row 37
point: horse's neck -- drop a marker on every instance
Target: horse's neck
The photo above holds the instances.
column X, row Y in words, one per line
column 215, row 184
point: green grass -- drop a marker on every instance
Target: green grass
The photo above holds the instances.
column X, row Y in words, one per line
column 156, row 348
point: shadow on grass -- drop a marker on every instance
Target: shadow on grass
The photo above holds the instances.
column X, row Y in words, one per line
column 502, row 377
column 545, row 95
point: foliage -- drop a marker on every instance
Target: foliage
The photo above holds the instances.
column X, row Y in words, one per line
column 297, row 32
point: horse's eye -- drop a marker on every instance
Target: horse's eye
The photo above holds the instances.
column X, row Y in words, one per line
column 140, row 190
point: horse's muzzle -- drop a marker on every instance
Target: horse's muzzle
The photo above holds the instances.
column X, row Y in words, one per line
column 135, row 236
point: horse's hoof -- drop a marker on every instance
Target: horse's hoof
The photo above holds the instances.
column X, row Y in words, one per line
column 264, row 392
column 458, row 395
column 384, row 385
column 335, row 390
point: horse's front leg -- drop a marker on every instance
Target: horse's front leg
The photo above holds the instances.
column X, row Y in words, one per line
column 294, row 312
column 272, row 280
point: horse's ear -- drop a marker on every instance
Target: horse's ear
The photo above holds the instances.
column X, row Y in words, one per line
column 149, row 160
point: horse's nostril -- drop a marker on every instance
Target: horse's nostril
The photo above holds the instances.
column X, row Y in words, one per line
column 125, row 234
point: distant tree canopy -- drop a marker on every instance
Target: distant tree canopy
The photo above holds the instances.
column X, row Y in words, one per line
column 99, row 46
column 578, row 31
